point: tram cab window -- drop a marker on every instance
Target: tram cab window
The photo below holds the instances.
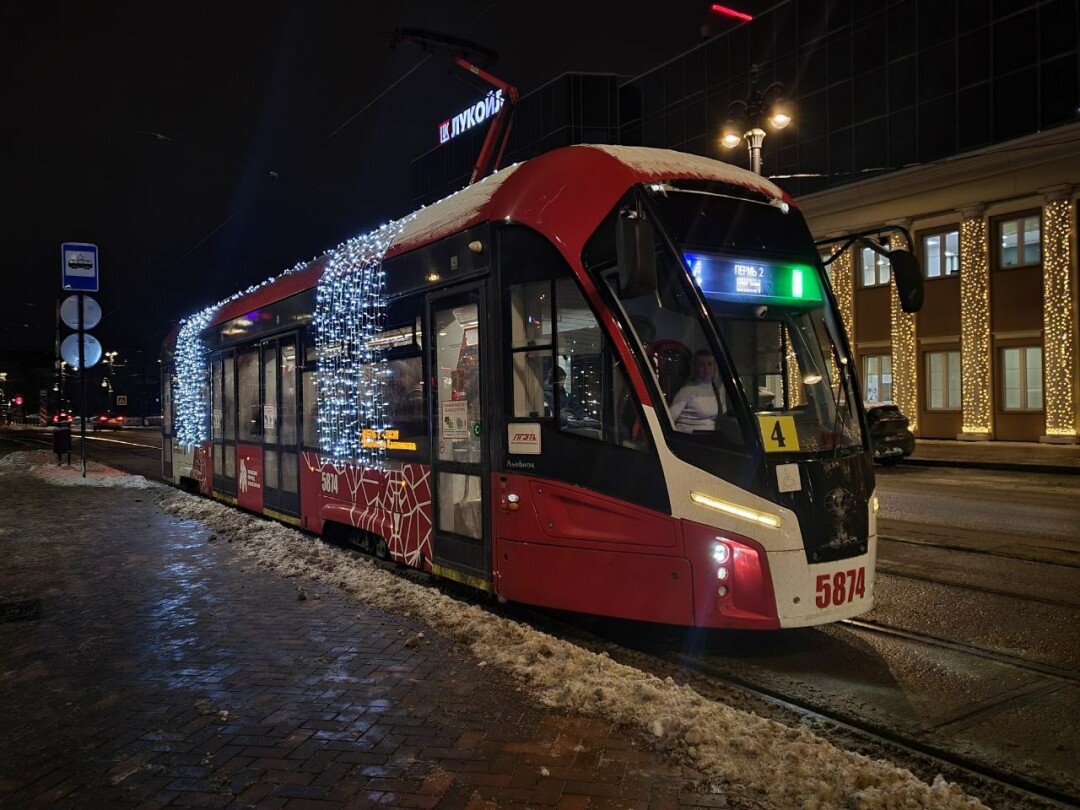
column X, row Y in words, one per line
column 563, row 367
column 684, row 363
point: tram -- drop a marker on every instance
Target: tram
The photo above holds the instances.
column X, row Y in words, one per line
column 609, row 380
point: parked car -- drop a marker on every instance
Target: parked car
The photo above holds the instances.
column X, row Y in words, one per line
column 890, row 437
column 108, row 420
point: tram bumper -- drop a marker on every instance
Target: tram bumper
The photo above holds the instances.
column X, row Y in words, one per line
column 740, row 585
column 808, row 595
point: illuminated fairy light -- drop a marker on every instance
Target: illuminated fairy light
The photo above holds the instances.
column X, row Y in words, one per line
column 350, row 315
column 975, row 327
column 193, row 372
column 905, row 367
column 1059, row 351
column 843, row 284
column 191, row 380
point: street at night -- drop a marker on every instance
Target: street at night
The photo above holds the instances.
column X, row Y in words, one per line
column 486, row 406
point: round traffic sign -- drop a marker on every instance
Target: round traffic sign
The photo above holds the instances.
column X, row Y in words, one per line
column 69, row 312
column 69, row 350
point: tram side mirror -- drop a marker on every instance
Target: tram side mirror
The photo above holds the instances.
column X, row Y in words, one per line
column 636, row 255
column 909, row 279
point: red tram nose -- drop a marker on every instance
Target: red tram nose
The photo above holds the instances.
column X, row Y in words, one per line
column 732, row 584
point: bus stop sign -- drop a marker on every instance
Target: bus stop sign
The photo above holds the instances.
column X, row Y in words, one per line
column 79, row 267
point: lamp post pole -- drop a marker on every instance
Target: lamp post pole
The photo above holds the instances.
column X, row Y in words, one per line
column 747, row 118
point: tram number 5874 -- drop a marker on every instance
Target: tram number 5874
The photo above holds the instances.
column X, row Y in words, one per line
column 841, row 587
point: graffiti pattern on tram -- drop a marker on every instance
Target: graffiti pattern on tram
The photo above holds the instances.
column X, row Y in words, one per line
column 394, row 503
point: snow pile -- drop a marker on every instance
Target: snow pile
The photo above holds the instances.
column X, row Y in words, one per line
column 739, row 751
column 42, row 464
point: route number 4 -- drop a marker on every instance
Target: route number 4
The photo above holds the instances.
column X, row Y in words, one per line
column 836, row 589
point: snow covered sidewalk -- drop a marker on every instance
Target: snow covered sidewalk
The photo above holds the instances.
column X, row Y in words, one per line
column 748, row 760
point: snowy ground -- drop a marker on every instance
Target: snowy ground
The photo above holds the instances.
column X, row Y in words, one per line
column 742, row 753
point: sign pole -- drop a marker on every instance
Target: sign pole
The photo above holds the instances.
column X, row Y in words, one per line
column 82, row 375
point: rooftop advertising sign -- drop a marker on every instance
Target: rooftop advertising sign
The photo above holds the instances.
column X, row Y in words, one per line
column 471, row 116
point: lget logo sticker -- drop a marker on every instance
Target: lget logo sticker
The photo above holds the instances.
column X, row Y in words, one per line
column 778, row 433
column 523, row 438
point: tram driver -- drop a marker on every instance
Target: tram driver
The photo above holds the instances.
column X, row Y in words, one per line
column 701, row 399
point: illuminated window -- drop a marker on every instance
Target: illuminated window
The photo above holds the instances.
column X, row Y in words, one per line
column 943, row 381
column 875, row 268
column 877, row 377
column 1020, row 241
column 941, row 254
column 1022, row 378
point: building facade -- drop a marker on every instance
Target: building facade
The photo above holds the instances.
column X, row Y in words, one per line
column 957, row 119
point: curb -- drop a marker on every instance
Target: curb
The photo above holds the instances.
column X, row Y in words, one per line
column 1008, row 466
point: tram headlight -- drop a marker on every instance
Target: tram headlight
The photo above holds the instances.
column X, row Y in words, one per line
column 722, row 573
column 721, row 553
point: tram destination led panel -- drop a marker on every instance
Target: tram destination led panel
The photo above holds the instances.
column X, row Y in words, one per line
column 743, row 279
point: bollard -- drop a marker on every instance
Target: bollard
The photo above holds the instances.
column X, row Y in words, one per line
column 61, row 442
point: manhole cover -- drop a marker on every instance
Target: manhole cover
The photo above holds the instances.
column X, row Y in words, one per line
column 20, row 611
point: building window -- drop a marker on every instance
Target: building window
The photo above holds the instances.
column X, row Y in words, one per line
column 1020, row 241
column 877, row 378
column 943, row 381
column 1022, row 378
column 875, row 268
column 941, row 254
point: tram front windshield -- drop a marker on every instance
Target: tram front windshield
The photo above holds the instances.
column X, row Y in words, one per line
column 767, row 326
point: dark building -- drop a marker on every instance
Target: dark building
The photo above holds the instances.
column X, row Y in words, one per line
column 957, row 120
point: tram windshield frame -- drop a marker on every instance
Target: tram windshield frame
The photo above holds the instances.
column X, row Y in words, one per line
column 739, row 278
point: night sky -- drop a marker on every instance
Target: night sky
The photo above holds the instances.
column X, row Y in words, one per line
column 204, row 147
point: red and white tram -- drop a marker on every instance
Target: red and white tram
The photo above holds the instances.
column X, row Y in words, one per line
column 609, row 380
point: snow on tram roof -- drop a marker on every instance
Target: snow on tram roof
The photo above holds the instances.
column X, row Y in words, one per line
column 661, row 164
column 478, row 202
column 500, row 196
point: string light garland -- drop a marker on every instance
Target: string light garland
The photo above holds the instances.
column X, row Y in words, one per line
column 1059, row 350
column 975, row 395
column 193, row 373
column 350, row 314
column 905, row 372
column 191, row 379
column 843, row 284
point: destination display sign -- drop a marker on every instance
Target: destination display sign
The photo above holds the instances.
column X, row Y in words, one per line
column 753, row 279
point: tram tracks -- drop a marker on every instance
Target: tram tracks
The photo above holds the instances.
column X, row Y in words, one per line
column 714, row 677
column 1048, row 670
column 895, row 571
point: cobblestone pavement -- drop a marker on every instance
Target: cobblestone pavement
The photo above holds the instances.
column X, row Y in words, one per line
column 142, row 665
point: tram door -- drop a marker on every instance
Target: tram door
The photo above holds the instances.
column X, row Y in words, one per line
column 461, row 546
column 281, row 464
column 223, row 420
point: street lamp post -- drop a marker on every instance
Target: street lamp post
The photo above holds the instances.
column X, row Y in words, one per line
column 746, row 119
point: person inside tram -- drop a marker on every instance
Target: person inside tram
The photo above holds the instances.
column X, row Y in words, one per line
column 555, row 392
column 698, row 403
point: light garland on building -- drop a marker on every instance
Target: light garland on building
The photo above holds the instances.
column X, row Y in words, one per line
column 843, row 284
column 1059, row 350
column 975, row 327
column 905, row 367
column 350, row 312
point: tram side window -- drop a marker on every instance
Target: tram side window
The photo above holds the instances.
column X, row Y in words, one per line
column 564, row 369
column 531, row 345
column 310, row 415
column 406, row 402
column 247, row 371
